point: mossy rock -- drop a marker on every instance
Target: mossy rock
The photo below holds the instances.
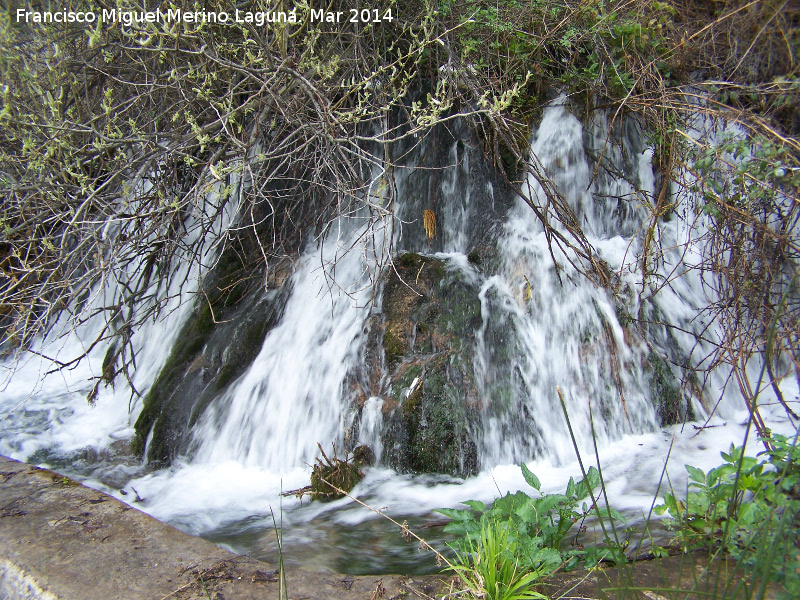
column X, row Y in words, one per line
column 431, row 312
column 342, row 475
column 425, row 302
column 408, row 282
column 411, row 260
column 671, row 405
column 188, row 344
column 333, row 479
column 394, row 346
column 431, row 430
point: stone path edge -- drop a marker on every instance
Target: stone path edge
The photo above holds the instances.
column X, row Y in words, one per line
column 60, row 540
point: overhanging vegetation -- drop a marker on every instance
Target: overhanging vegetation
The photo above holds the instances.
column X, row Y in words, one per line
column 120, row 145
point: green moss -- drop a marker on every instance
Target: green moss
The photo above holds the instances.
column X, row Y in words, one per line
column 226, row 374
column 438, row 271
column 414, row 400
column 137, row 445
column 109, row 363
column 460, row 310
column 430, row 427
column 671, row 406
column 189, row 343
column 436, row 419
column 423, row 343
column 394, row 348
column 409, row 260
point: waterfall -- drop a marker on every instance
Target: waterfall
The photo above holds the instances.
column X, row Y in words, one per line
column 566, row 329
column 292, row 396
column 530, row 326
column 44, row 413
column 545, row 326
column 369, row 432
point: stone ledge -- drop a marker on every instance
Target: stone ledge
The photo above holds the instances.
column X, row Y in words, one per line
column 60, row 540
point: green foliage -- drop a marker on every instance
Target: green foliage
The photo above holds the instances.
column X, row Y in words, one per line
column 747, row 173
column 749, row 507
column 118, row 140
column 538, row 526
column 491, row 568
column 598, row 46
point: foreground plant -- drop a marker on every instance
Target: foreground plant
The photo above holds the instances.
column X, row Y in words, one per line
column 534, row 528
column 749, row 507
column 491, row 567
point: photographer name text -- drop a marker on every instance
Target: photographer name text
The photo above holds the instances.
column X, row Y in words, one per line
column 260, row 19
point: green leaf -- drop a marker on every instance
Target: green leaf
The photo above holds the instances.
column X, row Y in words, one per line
column 528, row 512
column 546, row 504
column 475, row 505
column 506, row 505
column 456, row 514
column 530, row 478
column 593, row 477
column 696, row 474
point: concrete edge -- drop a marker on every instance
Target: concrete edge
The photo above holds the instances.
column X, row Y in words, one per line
column 60, row 540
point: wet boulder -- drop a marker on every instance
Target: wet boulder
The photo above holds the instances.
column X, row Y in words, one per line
column 215, row 346
column 431, row 311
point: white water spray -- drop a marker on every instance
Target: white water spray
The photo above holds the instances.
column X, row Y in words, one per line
column 292, row 396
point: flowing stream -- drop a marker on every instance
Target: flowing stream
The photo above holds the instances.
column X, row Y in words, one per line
column 259, row 436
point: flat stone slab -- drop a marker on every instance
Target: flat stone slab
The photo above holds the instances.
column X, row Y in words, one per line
column 60, row 540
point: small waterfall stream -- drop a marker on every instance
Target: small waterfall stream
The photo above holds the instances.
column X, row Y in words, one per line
column 537, row 329
column 291, row 396
column 567, row 330
column 45, row 417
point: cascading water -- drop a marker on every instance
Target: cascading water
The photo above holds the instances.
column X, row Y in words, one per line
column 291, row 397
column 566, row 329
column 369, row 432
column 44, row 411
column 536, row 328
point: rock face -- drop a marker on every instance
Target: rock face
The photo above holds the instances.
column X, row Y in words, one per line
column 431, row 311
column 448, row 174
column 671, row 404
column 224, row 335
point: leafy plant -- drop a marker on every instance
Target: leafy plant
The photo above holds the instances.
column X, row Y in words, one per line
column 749, row 507
column 491, row 567
column 538, row 526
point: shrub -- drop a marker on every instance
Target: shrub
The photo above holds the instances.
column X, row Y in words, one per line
column 537, row 526
column 750, row 507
